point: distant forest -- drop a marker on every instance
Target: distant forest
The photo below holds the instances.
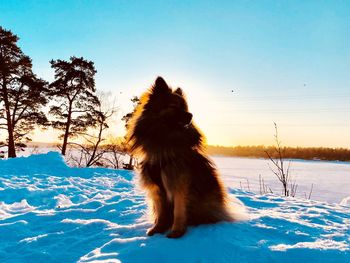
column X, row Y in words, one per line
column 310, row 153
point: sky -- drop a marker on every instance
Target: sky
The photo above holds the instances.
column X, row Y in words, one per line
column 242, row 64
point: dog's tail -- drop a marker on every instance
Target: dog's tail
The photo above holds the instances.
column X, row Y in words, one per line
column 234, row 210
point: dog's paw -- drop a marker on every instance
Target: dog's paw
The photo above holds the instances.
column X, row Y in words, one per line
column 156, row 229
column 176, row 233
column 151, row 231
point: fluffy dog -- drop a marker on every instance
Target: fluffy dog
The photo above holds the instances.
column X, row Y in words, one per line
column 182, row 183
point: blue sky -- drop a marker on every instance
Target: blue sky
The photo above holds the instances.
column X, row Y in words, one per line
column 286, row 61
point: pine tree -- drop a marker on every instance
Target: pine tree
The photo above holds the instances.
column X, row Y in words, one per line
column 74, row 93
column 126, row 118
column 22, row 93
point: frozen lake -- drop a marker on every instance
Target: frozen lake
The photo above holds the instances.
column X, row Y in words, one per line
column 331, row 180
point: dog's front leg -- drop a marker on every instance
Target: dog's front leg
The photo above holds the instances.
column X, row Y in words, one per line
column 161, row 210
column 178, row 228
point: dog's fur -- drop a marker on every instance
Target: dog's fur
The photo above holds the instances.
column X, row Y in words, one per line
column 181, row 181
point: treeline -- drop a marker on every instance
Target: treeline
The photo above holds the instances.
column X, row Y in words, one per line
column 260, row 151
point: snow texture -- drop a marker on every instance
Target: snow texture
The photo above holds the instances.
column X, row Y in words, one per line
column 52, row 213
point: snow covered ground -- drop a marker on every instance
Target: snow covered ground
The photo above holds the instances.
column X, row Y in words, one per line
column 52, row 213
column 331, row 180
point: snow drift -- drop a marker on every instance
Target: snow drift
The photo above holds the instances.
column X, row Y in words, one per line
column 52, row 213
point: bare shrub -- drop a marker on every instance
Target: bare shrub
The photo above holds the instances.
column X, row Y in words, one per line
column 281, row 168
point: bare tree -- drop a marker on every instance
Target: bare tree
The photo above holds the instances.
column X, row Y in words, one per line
column 90, row 152
column 126, row 118
column 115, row 154
column 282, row 169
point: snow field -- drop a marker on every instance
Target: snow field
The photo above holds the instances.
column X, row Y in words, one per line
column 52, row 213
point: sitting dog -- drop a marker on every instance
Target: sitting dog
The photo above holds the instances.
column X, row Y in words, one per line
column 182, row 183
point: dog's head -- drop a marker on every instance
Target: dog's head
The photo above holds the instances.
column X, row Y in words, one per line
column 162, row 120
column 167, row 106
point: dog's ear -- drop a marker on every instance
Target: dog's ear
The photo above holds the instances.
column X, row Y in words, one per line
column 160, row 86
column 179, row 91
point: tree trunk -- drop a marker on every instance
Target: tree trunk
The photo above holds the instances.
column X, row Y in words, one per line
column 130, row 167
column 95, row 147
column 11, row 145
column 66, row 133
column 11, row 142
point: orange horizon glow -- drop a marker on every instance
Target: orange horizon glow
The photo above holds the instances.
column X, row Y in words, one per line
column 230, row 124
column 239, row 137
